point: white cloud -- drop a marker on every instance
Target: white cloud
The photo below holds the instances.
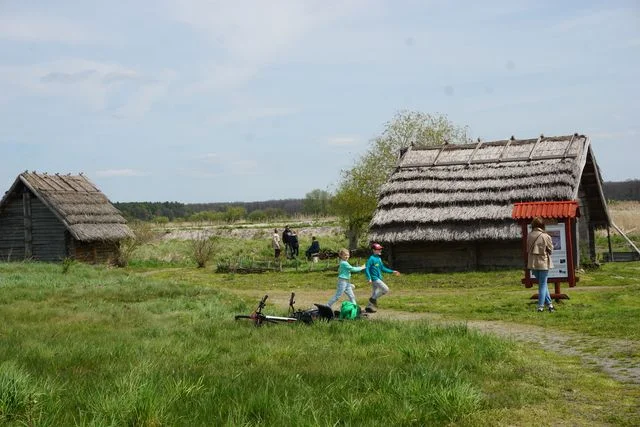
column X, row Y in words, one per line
column 343, row 140
column 89, row 83
column 246, row 35
column 119, row 172
column 148, row 93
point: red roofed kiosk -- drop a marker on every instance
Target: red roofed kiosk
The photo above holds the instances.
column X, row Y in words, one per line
column 561, row 217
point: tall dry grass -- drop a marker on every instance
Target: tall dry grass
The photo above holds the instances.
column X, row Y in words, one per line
column 626, row 215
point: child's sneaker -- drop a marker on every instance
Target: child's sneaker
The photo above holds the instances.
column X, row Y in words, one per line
column 540, row 309
column 551, row 309
column 370, row 308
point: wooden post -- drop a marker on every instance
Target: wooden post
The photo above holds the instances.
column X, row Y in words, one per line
column 570, row 264
column 527, row 276
column 28, row 224
column 609, row 241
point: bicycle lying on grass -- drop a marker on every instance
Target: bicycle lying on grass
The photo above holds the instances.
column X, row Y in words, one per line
column 321, row 312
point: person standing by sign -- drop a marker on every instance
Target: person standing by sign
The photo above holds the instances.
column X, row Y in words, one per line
column 539, row 248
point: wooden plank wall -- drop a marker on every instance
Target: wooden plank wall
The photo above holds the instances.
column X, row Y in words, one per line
column 48, row 233
column 94, row 252
column 498, row 255
column 586, row 238
column 461, row 256
column 12, row 231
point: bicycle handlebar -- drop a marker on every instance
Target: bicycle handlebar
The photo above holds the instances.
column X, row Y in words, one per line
column 262, row 304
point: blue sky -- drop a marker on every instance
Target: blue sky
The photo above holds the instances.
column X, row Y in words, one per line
column 217, row 101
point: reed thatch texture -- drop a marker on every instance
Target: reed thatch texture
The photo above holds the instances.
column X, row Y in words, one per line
column 466, row 192
column 83, row 209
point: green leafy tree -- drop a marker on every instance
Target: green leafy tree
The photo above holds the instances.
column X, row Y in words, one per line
column 257, row 216
column 317, row 202
column 275, row 213
column 161, row 220
column 234, row 213
column 357, row 195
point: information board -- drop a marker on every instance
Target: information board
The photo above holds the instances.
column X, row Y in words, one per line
column 559, row 255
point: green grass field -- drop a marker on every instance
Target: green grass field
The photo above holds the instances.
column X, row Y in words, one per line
column 156, row 344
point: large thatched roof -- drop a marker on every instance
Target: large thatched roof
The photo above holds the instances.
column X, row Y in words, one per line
column 77, row 202
column 466, row 192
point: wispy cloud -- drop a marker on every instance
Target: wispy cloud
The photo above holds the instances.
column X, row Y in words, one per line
column 247, row 35
column 147, row 94
column 58, row 77
column 90, row 83
column 119, row 172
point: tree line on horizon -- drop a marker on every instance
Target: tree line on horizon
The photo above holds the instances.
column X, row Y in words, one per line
column 356, row 195
column 317, row 202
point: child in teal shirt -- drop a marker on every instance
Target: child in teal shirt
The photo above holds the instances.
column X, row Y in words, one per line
column 344, row 277
column 374, row 269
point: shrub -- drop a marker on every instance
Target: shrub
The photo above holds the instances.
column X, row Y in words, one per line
column 66, row 264
column 143, row 234
column 202, row 248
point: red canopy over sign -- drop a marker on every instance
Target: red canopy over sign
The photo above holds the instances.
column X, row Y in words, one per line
column 557, row 210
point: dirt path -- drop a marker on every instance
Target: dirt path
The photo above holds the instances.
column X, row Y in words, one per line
column 615, row 357
column 612, row 356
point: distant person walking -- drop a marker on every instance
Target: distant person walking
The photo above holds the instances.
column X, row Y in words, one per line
column 275, row 243
column 344, row 278
column 539, row 248
column 374, row 269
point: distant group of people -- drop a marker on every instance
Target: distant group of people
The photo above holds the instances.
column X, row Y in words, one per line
column 291, row 244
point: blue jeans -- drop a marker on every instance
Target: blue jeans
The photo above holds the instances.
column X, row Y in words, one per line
column 543, row 289
column 378, row 288
column 344, row 287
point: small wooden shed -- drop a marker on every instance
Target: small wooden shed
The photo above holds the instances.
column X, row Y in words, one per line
column 449, row 208
column 52, row 217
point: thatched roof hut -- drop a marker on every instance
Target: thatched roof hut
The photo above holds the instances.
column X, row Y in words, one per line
column 52, row 217
column 449, row 207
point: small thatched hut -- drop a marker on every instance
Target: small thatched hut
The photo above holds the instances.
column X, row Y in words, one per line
column 449, row 208
column 52, row 217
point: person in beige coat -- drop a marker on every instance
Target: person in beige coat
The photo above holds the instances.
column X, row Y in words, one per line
column 539, row 248
column 275, row 243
